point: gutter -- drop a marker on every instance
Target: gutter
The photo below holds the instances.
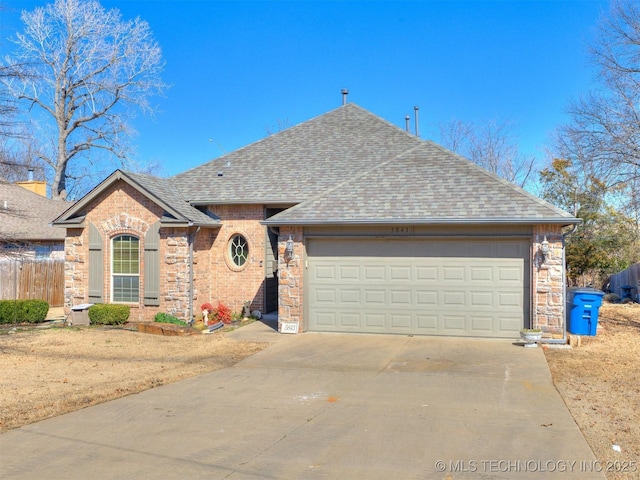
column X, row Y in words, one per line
column 426, row 221
column 563, row 340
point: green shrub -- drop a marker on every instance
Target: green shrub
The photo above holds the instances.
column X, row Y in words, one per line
column 166, row 318
column 108, row 314
column 23, row 311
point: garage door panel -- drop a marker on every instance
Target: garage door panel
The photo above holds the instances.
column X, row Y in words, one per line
column 481, row 323
column 427, row 323
column 453, row 274
column 375, row 272
column 400, row 321
column 326, row 320
column 481, row 299
column 509, row 323
column 400, row 273
column 457, row 287
column 348, row 272
column 454, row 322
column 375, row 297
column 349, row 319
column 349, row 296
column 510, row 299
column 481, row 274
column 325, row 296
column 453, row 299
column 426, row 273
column 400, row 298
column 426, row 298
column 325, row 272
column 510, row 274
column 375, row 322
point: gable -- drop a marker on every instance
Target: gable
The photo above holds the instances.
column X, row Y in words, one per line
column 154, row 193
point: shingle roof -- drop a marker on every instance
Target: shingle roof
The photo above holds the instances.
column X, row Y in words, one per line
column 25, row 215
column 346, row 166
column 164, row 189
column 350, row 166
column 300, row 162
column 426, row 184
column 161, row 191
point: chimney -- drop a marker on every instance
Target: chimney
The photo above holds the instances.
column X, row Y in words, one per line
column 406, row 122
column 344, row 92
column 30, row 175
column 416, row 108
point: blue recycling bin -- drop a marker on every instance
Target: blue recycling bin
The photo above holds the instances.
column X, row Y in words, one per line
column 584, row 305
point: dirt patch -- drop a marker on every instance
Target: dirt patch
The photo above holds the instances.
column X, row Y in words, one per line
column 48, row 372
column 600, row 384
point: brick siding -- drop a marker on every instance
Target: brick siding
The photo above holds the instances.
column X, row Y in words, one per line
column 123, row 210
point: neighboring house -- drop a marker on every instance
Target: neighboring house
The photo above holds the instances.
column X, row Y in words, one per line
column 25, row 222
column 344, row 223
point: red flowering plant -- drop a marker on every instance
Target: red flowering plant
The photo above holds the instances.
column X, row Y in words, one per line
column 207, row 306
column 223, row 313
column 207, row 309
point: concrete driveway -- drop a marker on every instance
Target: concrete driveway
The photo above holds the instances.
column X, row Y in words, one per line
column 328, row 407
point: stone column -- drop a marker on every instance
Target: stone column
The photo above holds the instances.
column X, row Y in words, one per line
column 548, row 280
column 290, row 278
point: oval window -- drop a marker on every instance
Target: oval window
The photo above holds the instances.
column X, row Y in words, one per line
column 238, row 250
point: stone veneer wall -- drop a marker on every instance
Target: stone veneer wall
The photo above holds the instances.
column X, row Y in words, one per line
column 290, row 278
column 547, row 294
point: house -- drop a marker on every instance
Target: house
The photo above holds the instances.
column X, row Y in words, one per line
column 343, row 223
column 25, row 221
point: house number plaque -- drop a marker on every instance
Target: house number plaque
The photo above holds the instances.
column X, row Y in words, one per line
column 402, row 230
column 289, row 327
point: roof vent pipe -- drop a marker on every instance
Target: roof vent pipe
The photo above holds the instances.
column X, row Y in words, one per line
column 406, row 122
column 416, row 108
column 30, row 175
column 344, row 92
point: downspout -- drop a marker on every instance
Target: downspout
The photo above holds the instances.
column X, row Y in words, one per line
column 563, row 340
column 192, row 237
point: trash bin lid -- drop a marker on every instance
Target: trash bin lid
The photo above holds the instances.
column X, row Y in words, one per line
column 591, row 290
column 82, row 306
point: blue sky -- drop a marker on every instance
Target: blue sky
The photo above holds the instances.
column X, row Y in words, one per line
column 239, row 69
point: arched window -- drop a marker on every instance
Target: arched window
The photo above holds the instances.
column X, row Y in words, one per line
column 125, row 269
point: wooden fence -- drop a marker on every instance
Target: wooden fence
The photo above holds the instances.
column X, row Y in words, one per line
column 38, row 279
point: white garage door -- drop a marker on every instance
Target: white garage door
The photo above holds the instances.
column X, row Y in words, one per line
column 430, row 287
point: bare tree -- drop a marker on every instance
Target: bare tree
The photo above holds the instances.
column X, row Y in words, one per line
column 491, row 146
column 86, row 70
column 604, row 132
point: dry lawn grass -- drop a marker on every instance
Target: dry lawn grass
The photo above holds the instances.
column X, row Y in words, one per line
column 47, row 372
column 600, row 384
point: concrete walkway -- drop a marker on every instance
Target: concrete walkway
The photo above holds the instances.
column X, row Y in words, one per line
column 328, row 407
